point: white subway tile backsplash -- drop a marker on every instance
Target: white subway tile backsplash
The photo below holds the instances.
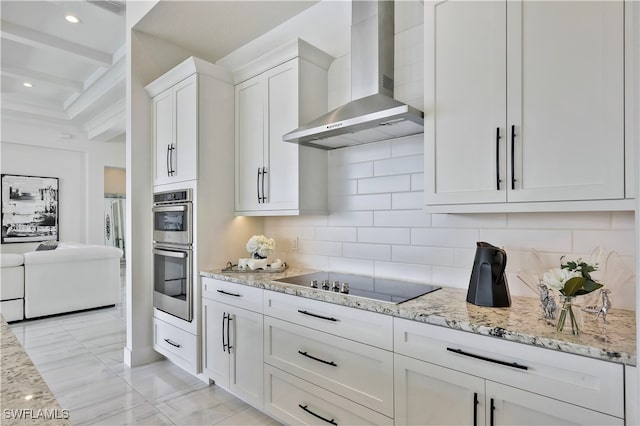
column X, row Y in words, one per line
column 410, row 145
column 342, row 234
column 417, row 182
column 384, row 235
column 478, row 221
column 569, row 220
column 403, row 271
column 361, row 153
column 351, row 265
column 464, row 258
column 407, row 200
column 402, row 218
column 541, row 240
column 444, row 237
column 356, row 170
column 365, row 202
column 621, row 241
column 323, row 248
column 622, row 220
column 367, row 251
column 451, row 277
column 384, row 184
column 307, row 261
column 399, row 165
column 423, row 255
column 344, row 218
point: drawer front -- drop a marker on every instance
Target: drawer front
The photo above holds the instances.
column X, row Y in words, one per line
column 586, row 382
column 295, row 401
column 355, row 324
column 176, row 344
column 12, row 310
column 359, row 372
column 238, row 295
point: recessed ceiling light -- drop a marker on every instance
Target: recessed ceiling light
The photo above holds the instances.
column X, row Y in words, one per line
column 72, row 19
column 27, row 84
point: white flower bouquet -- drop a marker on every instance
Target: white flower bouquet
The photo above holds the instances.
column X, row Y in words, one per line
column 260, row 246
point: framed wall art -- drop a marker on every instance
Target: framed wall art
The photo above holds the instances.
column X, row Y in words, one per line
column 29, row 208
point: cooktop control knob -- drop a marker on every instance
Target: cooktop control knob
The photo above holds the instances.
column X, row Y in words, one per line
column 345, row 288
column 325, row 285
column 314, row 284
column 336, row 286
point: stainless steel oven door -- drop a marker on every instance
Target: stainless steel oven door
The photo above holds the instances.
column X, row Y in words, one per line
column 173, row 281
column 172, row 223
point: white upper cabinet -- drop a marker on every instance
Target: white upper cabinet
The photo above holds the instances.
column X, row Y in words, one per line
column 524, row 105
column 274, row 177
column 175, row 133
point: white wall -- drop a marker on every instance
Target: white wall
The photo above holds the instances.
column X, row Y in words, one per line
column 377, row 226
column 37, row 149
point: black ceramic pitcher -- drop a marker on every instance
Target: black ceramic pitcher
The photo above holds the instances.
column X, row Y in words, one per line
column 488, row 285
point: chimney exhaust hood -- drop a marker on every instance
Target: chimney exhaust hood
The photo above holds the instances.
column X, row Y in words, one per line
column 373, row 115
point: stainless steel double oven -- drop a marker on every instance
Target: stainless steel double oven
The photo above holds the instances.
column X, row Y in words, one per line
column 173, row 253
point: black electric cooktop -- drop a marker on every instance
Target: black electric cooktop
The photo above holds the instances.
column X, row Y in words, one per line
column 383, row 289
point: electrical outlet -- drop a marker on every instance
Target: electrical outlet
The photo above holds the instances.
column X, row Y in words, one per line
column 294, row 244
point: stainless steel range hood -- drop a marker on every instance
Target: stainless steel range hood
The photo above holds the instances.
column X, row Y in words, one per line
column 373, row 115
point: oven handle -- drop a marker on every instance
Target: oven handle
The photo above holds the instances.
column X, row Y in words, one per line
column 160, row 208
column 177, row 254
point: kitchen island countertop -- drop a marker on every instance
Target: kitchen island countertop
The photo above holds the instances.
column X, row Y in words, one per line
column 448, row 307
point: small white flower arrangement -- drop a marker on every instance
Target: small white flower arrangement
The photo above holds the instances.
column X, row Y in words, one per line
column 260, row 246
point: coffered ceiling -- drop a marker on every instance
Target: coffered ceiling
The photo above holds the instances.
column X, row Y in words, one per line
column 76, row 70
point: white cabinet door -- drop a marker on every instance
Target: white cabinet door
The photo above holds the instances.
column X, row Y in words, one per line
column 282, row 117
column 175, row 121
column 216, row 356
column 511, row 406
column 249, row 149
column 565, row 87
column 465, row 111
column 246, row 355
column 163, row 122
column 427, row 394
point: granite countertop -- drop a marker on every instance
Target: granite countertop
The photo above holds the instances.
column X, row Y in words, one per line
column 448, row 307
column 25, row 397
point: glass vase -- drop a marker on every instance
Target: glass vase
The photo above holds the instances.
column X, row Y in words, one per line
column 570, row 318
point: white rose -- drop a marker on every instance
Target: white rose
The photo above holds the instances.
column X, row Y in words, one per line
column 556, row 278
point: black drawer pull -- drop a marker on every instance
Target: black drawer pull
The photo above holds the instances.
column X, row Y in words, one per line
column 304, row 407
column 513, row 157
column 229, row 294
column 483, row 358
column 475, row 409
column 318, row 359
column 498, row 180
column 493, row 409
column 317, row 316
column 172, row 344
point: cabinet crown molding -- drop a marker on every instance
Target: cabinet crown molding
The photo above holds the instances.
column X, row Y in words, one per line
column 293, row 49
column 187, row 68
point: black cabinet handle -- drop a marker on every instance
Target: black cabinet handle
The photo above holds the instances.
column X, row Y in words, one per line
column 172, row 344
column 513, row 157
column 493, row 409
column 168, row 155
column 304, row 407
column 229, row 294
column 317, row 316
column 475, row 409
column 318, row 359
column 264, row 173
column 224, row 344
column 498, row 180
column 483, row 358
column 229, row 319
column 258, row 185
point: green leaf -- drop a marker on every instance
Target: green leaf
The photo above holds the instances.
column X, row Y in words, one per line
column 590, row 285
column 572, row 286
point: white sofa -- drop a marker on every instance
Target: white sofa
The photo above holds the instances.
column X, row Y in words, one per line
column 70, row 278
column 12, row 287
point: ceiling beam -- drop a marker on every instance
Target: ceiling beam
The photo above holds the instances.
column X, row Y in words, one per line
column 33, row 38
column 33, row 110
column 32, row 76
column 108, row 124
column 107, row 82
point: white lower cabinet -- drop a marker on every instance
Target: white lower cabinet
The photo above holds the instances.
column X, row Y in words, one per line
column 176, row 344
column 444, row 376
column 294, row 401
column 233, row 348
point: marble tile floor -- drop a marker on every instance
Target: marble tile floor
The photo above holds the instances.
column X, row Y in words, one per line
column 80, row 356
